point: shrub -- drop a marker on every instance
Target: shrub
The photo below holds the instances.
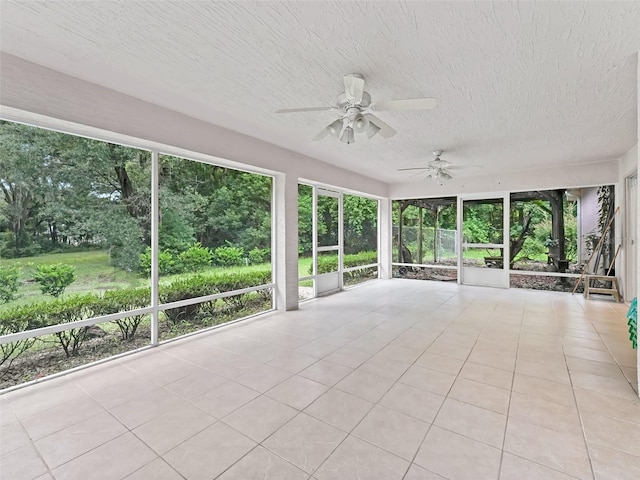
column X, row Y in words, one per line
column 17, row 320
column 72, row 309
column 8, row 283
column 203, row 285
column 192, row 287
column 166, row 263
column 228, row 256
column 115, row 301
column 194, row 259
column 259, row 255
column 330, row 264
column 81, row 307
column 54, row 279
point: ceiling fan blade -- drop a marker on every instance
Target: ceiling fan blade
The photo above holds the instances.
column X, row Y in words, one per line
column 407, row 104
column 323, row 133
column 414, row 168
column 461, row 167
column 353, row 88
column 306, row 109
column 385, row 130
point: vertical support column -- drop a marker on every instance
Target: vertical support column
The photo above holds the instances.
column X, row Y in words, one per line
column 314, row 238
column 459, row 236
column 155, row 222
column 637, row 245
column 506, row 240
column 285, row 241
column 341, row 240
column 385, row 229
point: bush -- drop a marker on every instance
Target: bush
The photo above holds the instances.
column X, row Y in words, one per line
column 228, row 256
column 166, row 263
column 17, row 320
column 194, row 259
column 81, row 307
column 8, row 283
column 72, row 309
column 184, row 289
column 54, row 279
column 116, row 301
column 203, row 285
column 259, row 255
column 330, row 264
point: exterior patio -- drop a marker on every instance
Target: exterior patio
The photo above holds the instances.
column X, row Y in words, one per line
column 395, row 379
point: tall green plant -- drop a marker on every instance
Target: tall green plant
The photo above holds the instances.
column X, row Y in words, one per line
column 54, row 279
column 8, row 283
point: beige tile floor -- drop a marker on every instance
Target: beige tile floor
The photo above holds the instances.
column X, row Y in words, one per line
column 395, row 379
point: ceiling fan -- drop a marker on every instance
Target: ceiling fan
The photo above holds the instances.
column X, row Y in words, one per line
column 437, row 168
column 356, row 112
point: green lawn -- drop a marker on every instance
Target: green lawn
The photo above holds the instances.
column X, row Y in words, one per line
column 95, row 274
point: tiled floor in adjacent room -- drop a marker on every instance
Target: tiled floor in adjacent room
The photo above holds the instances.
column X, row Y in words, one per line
column 396, row 379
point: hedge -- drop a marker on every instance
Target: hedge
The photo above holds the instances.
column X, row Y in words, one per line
column 328, row 264
column 81, row 307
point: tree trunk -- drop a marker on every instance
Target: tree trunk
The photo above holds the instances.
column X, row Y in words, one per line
column 19, row 201
column 53, row 233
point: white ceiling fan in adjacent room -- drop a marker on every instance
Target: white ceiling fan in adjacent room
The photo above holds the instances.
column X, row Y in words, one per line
column 437, row 168
column 356, row 112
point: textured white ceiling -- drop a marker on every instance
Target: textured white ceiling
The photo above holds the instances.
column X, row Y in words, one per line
column 519, row 85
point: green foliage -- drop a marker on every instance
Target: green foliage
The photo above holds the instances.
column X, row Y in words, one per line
column 259, row 255
column 125, row 245
column 82, row 307
column 194, row 259
column 328, row 264
column 305, row 219
column 17, row 320
column 533, row 249
column 8, row 283
column 115, row 301
column 203, row 285
column 176, row 228
column 360, row 224
column 166, row 263
column 228, row 256
column 54, row 279
column 69, row 310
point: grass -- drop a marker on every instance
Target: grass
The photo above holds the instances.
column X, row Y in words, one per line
column 95, row 274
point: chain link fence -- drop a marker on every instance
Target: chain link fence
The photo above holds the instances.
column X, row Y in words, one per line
column 445, row 242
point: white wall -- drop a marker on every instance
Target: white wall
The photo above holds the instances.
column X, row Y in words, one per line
column 638, row 167
column 30, row 93
column 588, row 217
column 31, row 88
column 628, row 164
column 601, row 173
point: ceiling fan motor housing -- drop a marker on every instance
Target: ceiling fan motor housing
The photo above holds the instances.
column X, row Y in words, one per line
column 344, row 104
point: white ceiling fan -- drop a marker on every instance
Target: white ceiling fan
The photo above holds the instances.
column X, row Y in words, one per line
column 356, row 112
column 437, row 168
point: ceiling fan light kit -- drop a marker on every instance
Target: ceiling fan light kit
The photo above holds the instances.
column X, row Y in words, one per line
column 437, row 168
column 356, row 112
column 347, row 136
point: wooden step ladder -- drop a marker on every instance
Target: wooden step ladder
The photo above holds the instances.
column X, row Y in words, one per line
column 614, row 290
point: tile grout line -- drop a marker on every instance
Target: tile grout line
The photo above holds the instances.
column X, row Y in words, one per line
column 573, row 393
column 377, row 403
column 513, row 379
column 445, row 396
column 302, row 411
